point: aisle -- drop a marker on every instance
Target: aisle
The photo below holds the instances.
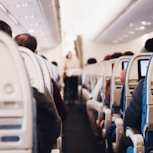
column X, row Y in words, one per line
column 77, row 134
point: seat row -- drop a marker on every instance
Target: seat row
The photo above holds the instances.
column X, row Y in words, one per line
column 19, row 69
column 135, row 67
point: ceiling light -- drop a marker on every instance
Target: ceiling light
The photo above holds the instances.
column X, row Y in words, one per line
column 31, row 16
column 22, row 5
column 31, row 30
column 34, row 25
column 145, row 23
column 131, row 32
column 28, row 17
column 140, row 28
column 13, row 18
column 3, row 7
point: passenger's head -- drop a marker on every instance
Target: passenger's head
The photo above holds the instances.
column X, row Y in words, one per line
column 116, row 55
column 26, row 40
column 107, row 57
column 91, row 61
column 6, row 28
column 55, row 63
column 149, row 45
column 123, row 72
column 122, row 77
column 44, row 57
column 128, row 53
column 69, row 55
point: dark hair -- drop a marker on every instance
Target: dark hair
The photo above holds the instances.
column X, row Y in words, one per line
column 26, row 40
column 149, row 45
column 116, row 55
column 128, row 53
column 5, row 27
column 44, row 57
column 91, row 61
column 55, row 63
column 107, row 57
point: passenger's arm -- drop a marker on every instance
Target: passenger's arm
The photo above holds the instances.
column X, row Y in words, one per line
column 133, row 113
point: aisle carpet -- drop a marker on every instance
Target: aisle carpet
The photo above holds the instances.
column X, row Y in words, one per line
column 78, row 136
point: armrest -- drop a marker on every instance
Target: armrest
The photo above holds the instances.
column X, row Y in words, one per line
column 100, row 114
column 86, row 95
column 55, row 151
column 107, row 120
column 119, row 130
column 137, row 140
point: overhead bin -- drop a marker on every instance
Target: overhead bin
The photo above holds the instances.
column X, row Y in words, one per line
column 134, row 21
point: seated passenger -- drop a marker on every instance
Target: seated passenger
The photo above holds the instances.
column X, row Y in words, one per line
column 132, row 116
column 60, row 105
column 134, row 110
column 91, row 60
column 48, row 120
column 111, row 136
column 93, row 105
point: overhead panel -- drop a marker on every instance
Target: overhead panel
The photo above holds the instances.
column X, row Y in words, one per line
column 37, row 17
column 134, row 21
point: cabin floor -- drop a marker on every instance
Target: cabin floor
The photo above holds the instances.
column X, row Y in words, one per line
column 77, row 134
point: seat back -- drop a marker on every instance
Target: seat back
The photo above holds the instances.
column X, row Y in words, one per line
column 131, row 81
column 88, row 72
column 96, row 72
column 106, row 75
column 133, row 75
column 102, row 68
column 33, row 68
column 147, row 109
column 39, row 75
column 115, row 98
column 16, row 125
column 53, row 71
column 45, row 74
column 105, row 112
column 144, row 141
column 116, row 84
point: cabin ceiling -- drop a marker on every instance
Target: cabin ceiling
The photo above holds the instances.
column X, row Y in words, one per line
column 50, row 20
column 135, row 21
column 38, row 17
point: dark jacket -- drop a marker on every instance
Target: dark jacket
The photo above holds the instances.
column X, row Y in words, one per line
column 60, row 105
column 48, row 122
column 133, row 113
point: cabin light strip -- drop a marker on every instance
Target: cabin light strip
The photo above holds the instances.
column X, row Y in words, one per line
column 8, row 13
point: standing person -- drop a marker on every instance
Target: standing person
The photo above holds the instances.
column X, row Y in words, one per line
column 71, row 68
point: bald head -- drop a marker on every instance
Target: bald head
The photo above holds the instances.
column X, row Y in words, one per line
column 26, row 40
